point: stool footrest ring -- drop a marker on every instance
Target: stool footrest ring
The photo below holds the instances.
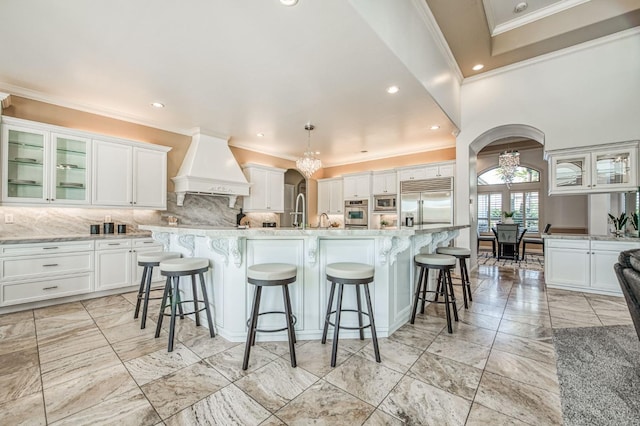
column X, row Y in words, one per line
column 294, row 320
column 184, row 313
column 346, row 327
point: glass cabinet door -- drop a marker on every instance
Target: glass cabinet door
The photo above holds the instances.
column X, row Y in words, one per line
column 70, row 169
column 614, row 169
column 570, row 172
column 24, row 153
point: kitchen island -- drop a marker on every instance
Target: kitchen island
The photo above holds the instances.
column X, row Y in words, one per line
column 231, row 251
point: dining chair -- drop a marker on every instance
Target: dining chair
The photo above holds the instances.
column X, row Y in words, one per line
column 507, row 239
column 535, row 240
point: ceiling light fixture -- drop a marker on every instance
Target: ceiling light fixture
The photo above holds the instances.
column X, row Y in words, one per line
column 434, row 127
column 520, row 7
column 508, row 162
column 308, row 164
column 157, row 104
column 260, row 135
column 477, row 67
column 288, row 2
column 393, row 89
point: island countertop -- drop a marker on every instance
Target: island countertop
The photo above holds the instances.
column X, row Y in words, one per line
column 590, row 237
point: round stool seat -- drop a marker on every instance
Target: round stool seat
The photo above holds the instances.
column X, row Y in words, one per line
column 435, row 259
column 184, row 264
column 350, row 270
column 157, row 257
column 454, row 251
column 272, row 271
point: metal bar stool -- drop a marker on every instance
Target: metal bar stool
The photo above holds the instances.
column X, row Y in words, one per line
column 148, row 261
column 462, row 254
column 269, row 275
column 443, row 263
column 173, row 269
column 357, row 274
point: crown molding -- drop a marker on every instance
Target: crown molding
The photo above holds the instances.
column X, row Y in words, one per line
column 556, row 54
column 530, row 17
column 101, row 111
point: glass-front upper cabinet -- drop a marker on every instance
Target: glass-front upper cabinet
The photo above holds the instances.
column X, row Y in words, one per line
column 601, row 170
column 70, row 169
column 24, row 171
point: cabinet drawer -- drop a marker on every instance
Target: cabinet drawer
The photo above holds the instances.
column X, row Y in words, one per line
column 147, row 242
column 614, row 245
column 19, row 268
column 45, row 248
column 46, row 288
column 113, row 244
column 574, row 244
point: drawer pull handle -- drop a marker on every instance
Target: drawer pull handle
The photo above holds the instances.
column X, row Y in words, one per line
column 53, row 287
column 50, row 264
column 149, row 242
column 114, row 244
column 50, row 248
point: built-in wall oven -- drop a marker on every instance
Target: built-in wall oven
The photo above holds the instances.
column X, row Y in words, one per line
column 356, row 213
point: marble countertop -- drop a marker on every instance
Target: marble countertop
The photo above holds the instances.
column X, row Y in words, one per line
column 589, row 237
column 71, row 237
column 289, row 232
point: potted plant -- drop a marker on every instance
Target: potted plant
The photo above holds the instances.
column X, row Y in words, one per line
column 634, row 223
column 618, row 222
column 383, row 224
column 507, row 216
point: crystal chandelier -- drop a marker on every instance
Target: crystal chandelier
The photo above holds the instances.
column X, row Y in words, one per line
column 308, row 164
column 508, row 162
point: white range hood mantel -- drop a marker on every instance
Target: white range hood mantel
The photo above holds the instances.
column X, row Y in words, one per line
column 210, row 168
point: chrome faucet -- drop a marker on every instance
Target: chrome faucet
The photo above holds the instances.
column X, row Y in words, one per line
column 297, row 213
column 320, row 221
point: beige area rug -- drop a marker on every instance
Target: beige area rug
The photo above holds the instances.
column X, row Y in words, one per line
column 534, row 261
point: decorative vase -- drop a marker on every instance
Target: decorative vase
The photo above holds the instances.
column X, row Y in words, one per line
column 508, row 220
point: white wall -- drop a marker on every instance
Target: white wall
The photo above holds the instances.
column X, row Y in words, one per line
column 587, row 97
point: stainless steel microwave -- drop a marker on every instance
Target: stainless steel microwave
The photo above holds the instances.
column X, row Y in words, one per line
column 384, row 203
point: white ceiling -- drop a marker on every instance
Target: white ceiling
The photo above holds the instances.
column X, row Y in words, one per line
column 231, row 67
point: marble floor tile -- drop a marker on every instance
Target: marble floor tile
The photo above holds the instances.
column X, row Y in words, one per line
column 116, row 299
column 542, row 319
column 200, row 341
column 15, row 317
column 479, row 320
column 367, row 380
column 55, row 310
column 589, row 317
column 310, row 407
column 415, row 402
column 459, row 350
column 280, row 348
column 449, row 375
column 12, row 330
column 126, row 331
column 380, row 418
column 19, row 374
column 276, row 384
column 114, row 308
column 614, row 318
column 522, row 329
column 79, row 394
column 228, row 406
column 526, row 370
column 77, row 366
column 411, row 335
column 130, row 408
column 469, row 333
column 139, row 346
column 484, row 309
column 183, row 388
column 229, row 362
column 121, row 318
column 28, row 410
column 18, row 344
column 430, row 323
column 273, row 421
column 74, row 342
column 63, row 324
column 316, row 357
column 160, row 363
column 483, row 416
column 394, row 355
column 349, row 345
column 570, row 323
column 524, row 402
column 539, row 350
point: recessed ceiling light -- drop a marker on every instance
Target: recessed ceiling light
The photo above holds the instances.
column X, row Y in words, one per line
column 434, row 127
column 364, row 151
column 393, row 89
column 157, row 104
column 288, row 2
column 317, row 152
column 520, row 7
column 260, row 135
column 477, row 67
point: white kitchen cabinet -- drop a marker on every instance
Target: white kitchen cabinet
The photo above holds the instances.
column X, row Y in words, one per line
column 117, row 264
column 267, row 189
column 42, row 167
column 604, row 169
column 384, row 183
column 126, row 175
column 591, row 264
column 357, row 186
column 40, row 271
column 440, row 170
column 412, row 173
column 330, row 199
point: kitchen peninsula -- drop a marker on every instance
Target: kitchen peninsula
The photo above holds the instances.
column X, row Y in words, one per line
column 231, row 251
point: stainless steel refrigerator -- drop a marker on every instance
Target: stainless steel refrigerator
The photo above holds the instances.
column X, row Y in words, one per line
column 428, row 201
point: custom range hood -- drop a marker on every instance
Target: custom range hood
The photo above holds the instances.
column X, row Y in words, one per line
column 210, row 168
